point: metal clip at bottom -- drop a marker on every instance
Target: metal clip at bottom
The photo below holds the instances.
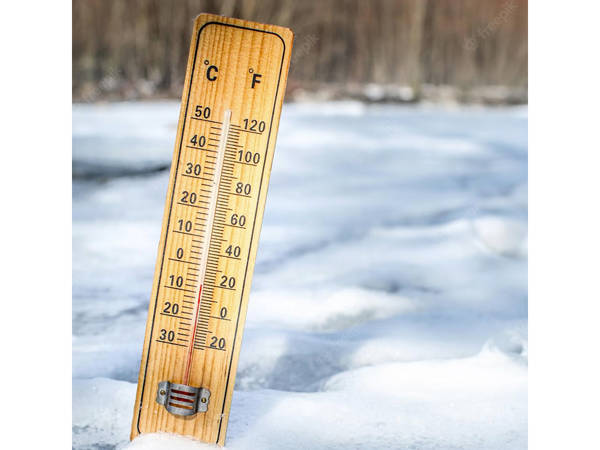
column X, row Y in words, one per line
column 181, row 399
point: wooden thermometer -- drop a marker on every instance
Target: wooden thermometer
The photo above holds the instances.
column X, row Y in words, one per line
column 233, row 92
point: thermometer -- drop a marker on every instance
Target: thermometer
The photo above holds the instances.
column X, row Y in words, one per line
column 233, row 93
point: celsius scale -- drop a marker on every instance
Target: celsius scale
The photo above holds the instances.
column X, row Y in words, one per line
column 233, row 93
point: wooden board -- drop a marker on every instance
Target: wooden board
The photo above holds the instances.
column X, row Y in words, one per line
column 231, row 103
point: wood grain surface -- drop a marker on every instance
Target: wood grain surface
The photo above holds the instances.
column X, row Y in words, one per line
column 231, row 103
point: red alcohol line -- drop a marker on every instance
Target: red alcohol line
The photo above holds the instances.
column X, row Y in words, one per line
column 188, row 365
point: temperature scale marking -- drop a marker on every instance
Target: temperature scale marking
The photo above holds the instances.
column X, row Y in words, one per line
column 234, row 88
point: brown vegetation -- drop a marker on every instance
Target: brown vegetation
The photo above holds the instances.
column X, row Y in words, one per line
column 138, row 48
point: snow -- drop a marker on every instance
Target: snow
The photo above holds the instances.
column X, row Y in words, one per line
column 389, row 302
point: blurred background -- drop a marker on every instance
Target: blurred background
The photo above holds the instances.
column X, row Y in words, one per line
column 389, row 302
column 464, row 50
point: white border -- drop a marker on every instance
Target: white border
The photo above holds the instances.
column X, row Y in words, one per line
column 35, row 40
column 564, row 270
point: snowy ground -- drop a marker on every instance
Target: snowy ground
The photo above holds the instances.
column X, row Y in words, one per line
column 389, row 304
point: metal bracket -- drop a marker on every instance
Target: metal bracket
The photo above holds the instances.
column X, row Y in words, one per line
column 181, row 399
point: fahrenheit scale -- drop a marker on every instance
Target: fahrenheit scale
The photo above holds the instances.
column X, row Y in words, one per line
column 233, row 92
